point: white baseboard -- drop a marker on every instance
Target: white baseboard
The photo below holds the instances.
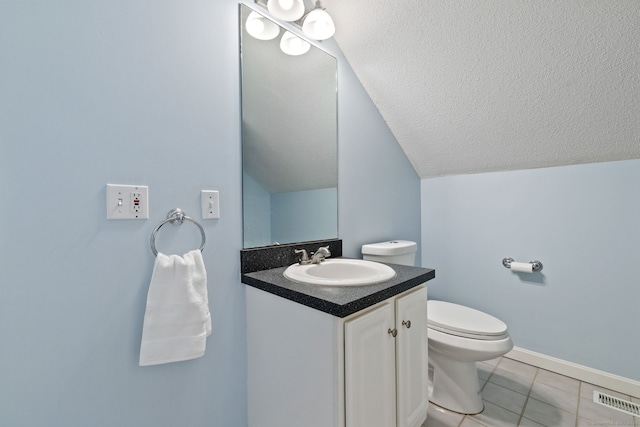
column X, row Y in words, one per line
column 579, row 372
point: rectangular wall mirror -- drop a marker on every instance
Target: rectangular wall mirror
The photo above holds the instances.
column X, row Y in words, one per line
column 289, row 138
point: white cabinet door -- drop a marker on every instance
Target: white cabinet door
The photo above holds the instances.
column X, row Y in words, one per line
column 411, row 358
column 370, row 384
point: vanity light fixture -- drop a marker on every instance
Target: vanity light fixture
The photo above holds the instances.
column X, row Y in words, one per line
column 318, row 24
column 287, row 10
column 261, row 28
column 293, row 45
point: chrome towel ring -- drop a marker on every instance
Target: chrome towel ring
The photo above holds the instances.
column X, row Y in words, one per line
column 176, row 216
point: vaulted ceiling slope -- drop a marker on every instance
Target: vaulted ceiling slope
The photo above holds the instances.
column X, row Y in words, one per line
column 489, row 85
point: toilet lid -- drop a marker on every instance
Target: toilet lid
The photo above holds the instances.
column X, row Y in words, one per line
column 464, row 321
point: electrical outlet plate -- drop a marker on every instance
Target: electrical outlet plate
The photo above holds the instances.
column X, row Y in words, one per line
column 127, row 201
column 210, row 200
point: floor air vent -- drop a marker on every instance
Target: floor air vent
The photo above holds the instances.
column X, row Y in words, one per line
column 617, row 404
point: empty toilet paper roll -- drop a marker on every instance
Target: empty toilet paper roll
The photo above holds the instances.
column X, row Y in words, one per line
column 522, row 267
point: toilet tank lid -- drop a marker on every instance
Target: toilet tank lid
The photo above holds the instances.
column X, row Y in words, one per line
column 392, row 247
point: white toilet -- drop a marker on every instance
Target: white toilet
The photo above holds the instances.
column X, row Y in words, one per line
column 459, row 337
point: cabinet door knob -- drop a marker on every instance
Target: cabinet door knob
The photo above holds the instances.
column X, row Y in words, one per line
column 393, row 332
column 406, row 323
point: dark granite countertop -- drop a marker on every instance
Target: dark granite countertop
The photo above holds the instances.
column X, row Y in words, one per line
column 338, row 301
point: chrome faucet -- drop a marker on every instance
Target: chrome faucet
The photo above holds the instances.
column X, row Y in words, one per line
column 316, row 257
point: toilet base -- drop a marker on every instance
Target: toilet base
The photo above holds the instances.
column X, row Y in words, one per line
column 454, row 385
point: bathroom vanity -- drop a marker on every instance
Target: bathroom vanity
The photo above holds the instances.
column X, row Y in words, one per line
column 342, row 357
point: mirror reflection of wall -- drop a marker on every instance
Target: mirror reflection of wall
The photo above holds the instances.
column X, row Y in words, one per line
column 289, row 142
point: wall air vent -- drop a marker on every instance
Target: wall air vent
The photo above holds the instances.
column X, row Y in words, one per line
column 617, row 404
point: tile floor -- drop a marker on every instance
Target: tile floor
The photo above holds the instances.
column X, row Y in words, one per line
column 517, row 394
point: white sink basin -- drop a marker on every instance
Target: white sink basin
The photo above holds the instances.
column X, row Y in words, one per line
column 340, row 272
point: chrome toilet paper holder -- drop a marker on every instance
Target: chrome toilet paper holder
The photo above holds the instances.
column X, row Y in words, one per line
column 535, row 265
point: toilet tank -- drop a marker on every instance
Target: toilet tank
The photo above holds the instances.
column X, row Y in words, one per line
column 395, row 252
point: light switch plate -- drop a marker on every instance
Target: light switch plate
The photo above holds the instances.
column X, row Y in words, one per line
column 210, row 204
column 127, row 201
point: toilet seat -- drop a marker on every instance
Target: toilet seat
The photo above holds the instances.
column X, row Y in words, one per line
column 464, row 322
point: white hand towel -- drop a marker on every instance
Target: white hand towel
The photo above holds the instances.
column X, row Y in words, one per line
column 177, row 320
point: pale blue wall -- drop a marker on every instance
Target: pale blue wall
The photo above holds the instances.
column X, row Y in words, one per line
column 582, row 222
column 256, row 212
column 379, row 191
column 140, row 92
column 294, row 216
column 304, row 215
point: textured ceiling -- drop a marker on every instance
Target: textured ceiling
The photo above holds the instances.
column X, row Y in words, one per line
column 476, row 86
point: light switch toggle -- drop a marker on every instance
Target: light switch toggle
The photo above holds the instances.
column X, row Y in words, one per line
column 210, row 200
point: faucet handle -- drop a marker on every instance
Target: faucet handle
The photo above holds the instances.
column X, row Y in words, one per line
column 305, row 256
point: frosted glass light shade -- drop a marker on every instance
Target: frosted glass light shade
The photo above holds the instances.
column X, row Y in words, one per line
column 287, row 10
column 261, row 28
column 318, row 25
column 293, row 45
